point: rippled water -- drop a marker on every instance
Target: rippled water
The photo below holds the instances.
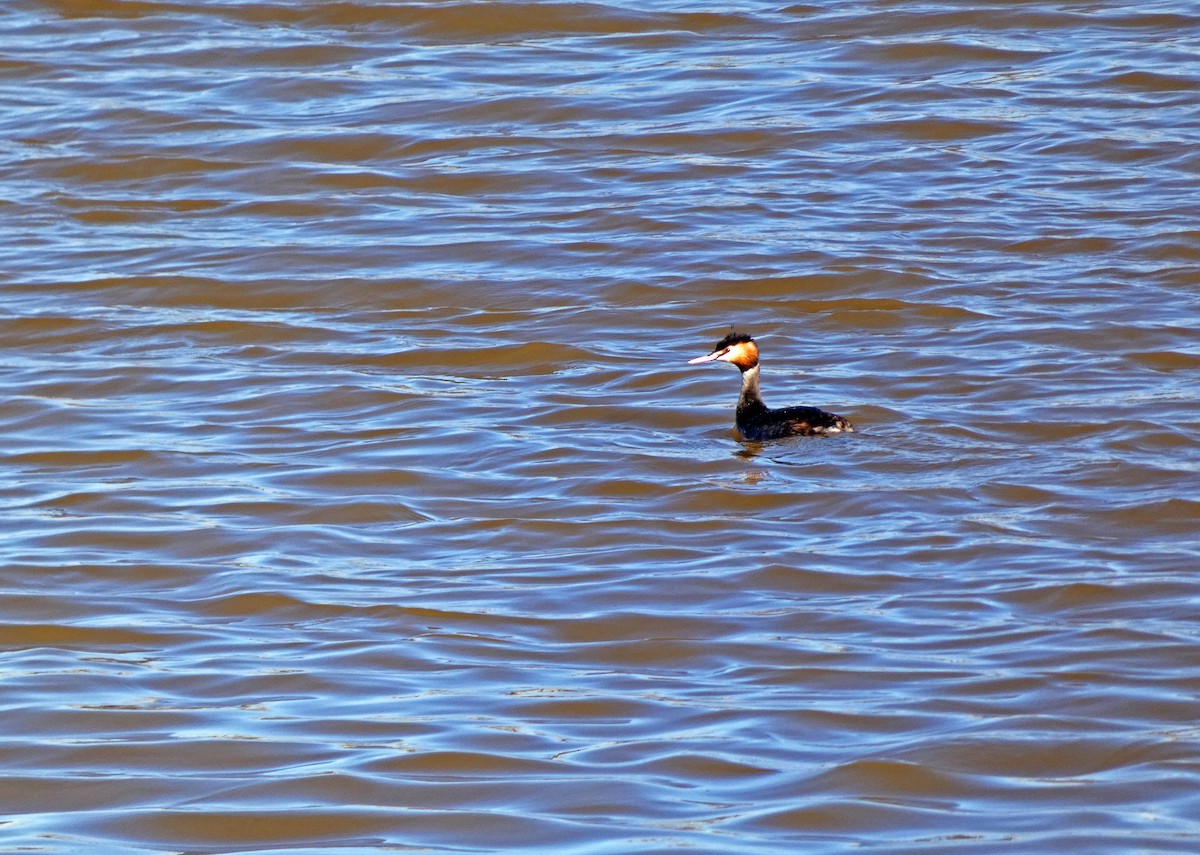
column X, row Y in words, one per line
column 358, row 496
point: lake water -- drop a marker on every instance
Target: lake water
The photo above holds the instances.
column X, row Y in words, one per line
column 358, row 498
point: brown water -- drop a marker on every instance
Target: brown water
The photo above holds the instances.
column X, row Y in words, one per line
column 358, row 498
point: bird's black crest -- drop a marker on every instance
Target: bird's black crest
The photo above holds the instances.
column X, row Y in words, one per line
column 732, row 339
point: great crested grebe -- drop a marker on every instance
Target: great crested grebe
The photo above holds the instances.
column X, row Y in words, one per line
column 754, row 419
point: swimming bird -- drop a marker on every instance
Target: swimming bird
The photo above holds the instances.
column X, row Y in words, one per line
column 754, row 419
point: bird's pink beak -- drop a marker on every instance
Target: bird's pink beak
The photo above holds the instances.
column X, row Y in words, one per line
column 712, row 357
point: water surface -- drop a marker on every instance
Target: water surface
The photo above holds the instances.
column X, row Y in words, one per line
column 358, row 496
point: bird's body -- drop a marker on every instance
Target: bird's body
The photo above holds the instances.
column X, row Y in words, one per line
column 754, row 419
